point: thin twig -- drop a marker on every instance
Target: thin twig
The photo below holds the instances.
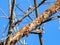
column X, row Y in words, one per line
column 5, row 28
column 29, row 12
column 20, row 9
column 9, row 4
column 3, row 17
column 40, row 33
column 3, row 12
column 11, row 23
column 24, row 11
column 52, row 18
column 36, row 9
column 41, row 40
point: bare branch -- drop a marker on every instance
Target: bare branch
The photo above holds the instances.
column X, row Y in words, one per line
column 36, row 10
column 20, row 9
column 41, row 40
column 3, row 12
column 52, row 18
column 24, row 11
column 11, row 23
column 5, row 27
column 29, row 13
column 9, row 1
column 3, row 17
column 38, row 21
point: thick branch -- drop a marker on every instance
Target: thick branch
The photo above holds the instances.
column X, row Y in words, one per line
column 38, row 21
column 50, row 19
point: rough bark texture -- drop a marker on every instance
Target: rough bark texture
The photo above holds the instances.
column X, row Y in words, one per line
column 38, row 21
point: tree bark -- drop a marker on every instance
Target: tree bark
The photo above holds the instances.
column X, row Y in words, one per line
column 38, row 21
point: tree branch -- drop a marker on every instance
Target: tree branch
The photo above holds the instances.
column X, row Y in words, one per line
column 3, row 12
column 53, row 18
column 11, row 23
column 24, row 11
column 9, row 1
column 29, row 13
column 38, row 21
column 36, row 10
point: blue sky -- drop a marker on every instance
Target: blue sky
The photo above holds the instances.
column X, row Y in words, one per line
column 52, row 31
